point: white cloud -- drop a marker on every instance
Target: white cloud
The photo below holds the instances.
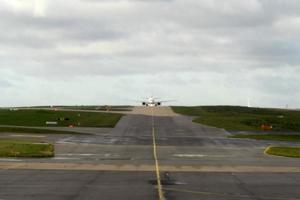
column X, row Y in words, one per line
column 205, row 51
column 34, row 7
column 289, row 26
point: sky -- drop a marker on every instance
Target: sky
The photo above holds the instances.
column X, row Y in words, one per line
column 198, row 52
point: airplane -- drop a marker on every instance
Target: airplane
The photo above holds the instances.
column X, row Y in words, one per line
column 152, row 102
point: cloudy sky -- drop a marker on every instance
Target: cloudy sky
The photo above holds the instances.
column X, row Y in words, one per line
column 200, row 52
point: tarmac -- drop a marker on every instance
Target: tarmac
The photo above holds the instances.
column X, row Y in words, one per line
column 194, row 162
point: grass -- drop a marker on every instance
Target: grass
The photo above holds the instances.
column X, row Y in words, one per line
column 277, row 137
column 91, row 107
column 39, row 118
column 236, row 118
column 15, row 148
column 33, row 131
column 284, row 151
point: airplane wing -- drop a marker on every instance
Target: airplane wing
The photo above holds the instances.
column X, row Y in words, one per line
column 167, row 101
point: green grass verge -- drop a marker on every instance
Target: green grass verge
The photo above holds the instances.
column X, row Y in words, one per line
column 33, row 131
column 243, row 118
column 39, row 118
column 284, row 151
column 90, row 107
column 295, row 138
column 15, row 148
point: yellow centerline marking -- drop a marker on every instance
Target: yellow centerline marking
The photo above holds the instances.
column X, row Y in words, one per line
column 159, row 186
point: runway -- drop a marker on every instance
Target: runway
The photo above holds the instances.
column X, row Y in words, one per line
column 119, row 163
column 92, row 185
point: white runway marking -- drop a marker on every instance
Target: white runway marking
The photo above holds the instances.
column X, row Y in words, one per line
column 65, row 158
column 66, row 143
column 65, row 140
column 202, row 155
column 10, row 160
column 71, row 156
column 190, row 155
column 77, row 154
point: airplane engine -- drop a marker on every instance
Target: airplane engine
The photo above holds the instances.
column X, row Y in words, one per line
column 158, row 103
column 144, row 103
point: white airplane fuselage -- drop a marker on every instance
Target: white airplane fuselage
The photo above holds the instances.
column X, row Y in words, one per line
column 151, row 102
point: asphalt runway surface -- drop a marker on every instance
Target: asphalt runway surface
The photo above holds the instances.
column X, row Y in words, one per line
column 195, row 162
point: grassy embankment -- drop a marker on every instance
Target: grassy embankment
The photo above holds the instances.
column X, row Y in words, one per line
column 33, row 131
column 235, row 118
column 40, row 117
column 91, row 108
column 15, row 148
column 284, row 151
